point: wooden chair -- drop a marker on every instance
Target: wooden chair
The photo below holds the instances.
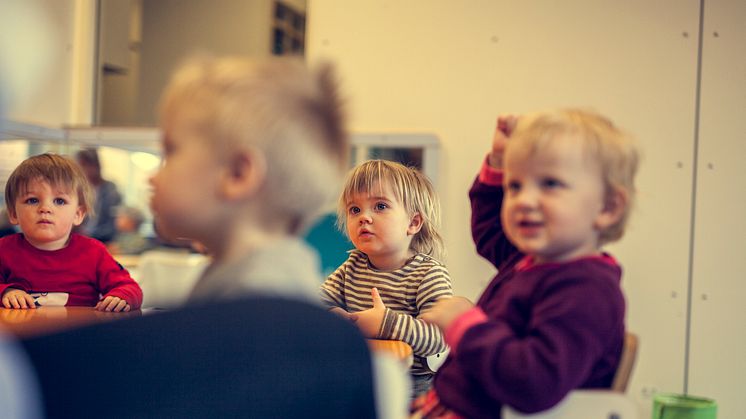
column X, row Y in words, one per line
column 626, row 363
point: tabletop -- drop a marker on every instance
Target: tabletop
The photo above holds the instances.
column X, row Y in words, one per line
column 32, row 322
column 400, row 350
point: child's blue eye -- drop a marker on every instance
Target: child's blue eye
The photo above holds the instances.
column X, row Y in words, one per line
column 353, row 210
column 59, row 201
column 381, row 206
column 550, row 183
column 31, row 201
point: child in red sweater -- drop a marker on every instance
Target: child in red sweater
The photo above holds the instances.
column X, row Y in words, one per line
column 46, row 264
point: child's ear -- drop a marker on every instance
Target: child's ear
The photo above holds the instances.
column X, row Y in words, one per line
column 79, row 215
column 245, row 174
column 415, row 225
column 13, row 218
column 613, row 210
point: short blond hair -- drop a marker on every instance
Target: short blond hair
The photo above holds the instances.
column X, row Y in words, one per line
column 279, row 106
column 411, row 187
column 614, row 150
column 54, row 169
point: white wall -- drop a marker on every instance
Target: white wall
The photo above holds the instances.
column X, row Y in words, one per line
column 46, row 60
column 450, row 68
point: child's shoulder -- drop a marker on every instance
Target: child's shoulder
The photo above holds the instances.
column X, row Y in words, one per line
column 424, row 260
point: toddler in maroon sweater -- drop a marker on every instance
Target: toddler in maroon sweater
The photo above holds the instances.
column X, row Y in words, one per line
column 47, row 195
column 555, row 188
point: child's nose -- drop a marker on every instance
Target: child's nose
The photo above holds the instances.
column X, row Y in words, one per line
column 365, row 218
column 526, row 198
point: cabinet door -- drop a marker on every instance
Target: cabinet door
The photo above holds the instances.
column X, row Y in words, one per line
column 717, row 362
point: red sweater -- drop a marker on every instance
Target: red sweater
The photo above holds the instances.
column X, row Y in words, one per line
column 84, row 270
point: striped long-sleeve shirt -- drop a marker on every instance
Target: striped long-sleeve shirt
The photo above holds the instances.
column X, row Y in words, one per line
column 406, row 292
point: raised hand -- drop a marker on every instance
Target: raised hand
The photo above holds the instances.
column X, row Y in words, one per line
column 446, row 310
column 505, row 126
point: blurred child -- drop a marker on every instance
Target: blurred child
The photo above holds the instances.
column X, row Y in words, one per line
column 129, row 240
column 253, row 151
column 391, row 214
column 556, row 187
column 46, row 195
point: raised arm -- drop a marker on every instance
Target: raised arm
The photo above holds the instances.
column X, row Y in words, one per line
column 486, row 196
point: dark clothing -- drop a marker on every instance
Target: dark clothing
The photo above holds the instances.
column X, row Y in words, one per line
column 102, row 225
column 550, row 328
column 253, row 357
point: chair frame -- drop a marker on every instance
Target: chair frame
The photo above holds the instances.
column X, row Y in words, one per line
column 626, row 363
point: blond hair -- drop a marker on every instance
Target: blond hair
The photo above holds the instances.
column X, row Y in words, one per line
column 410, row 187
column 54, row 169
column 612, row 149
column 277, row 105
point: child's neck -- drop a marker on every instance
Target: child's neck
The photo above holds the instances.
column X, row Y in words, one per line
column 49, row 246
column 390, row 262
column 242, row 242
column 541, row 259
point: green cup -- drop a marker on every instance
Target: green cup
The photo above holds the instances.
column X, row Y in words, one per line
column 680, row 406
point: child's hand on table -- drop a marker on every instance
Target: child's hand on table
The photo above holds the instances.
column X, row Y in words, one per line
column 446, row 310
column 15, row 298
column 112, row 303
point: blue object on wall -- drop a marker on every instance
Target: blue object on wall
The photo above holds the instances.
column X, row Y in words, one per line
column 333, row 246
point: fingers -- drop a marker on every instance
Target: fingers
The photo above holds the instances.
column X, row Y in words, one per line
column 377, row 301
column 114, row 304
column 18, row 299
column 29, row 301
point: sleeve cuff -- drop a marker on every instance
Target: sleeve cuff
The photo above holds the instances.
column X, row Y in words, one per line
column 464, row 322
column 489, row 175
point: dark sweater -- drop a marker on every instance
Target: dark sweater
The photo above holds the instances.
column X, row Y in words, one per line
column 550, row 328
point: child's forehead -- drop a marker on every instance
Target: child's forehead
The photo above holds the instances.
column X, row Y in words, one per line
column 40, row 184
column 546, row 147
column 375, row 188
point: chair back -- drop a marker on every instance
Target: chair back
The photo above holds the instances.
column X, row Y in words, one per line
column 253, row 357
column 626, row 363
column 584, row 404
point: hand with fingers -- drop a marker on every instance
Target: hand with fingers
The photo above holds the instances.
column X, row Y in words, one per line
column 339, row 311
column 111, row 303
column 446, row 310
column 369, row 321
column 505, row 126
column 17, row 298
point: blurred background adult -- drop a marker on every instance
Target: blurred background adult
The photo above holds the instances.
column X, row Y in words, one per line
column 101, row 225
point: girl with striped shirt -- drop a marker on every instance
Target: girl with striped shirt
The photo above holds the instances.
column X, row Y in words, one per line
column 391, row 214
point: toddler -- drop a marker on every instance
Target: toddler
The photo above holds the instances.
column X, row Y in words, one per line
column 46, row 264
column 253, row 151
column 555, row 188
column 391, row 214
